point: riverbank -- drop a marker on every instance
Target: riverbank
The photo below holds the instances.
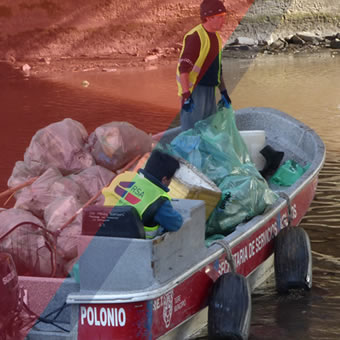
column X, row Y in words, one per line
column 106, row 35
column 241, row 48
column 67, row 35
column 110, row 63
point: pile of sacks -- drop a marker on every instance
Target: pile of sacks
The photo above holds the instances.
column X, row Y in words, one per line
column 70, row 167
column 216, row 148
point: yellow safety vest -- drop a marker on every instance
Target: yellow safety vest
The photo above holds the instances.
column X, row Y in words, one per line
column 131, row 188
column 205, row 47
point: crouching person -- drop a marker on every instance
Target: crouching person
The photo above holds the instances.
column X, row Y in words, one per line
column 147, row 191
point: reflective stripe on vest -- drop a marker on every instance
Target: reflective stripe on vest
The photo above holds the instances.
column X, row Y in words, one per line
column 205, row 47
column 151, row 232
column 134, row 189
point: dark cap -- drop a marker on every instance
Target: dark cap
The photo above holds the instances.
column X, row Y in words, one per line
column 211, row 7
column 161, row 164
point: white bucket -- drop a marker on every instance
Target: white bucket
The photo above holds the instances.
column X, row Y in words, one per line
column 255, row 141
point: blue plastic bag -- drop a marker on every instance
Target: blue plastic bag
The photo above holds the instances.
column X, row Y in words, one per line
column 216, row 148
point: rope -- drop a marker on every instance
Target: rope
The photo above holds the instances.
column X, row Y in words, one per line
column 289, row 217
column 50, row 242
column 229, row 255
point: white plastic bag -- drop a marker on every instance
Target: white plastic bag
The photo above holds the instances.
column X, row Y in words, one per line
column 56, row 214
column 20, row 174
column 115, row 144
column 93, row 179
column 49, row 186
column 60, row 145
column 26, row 244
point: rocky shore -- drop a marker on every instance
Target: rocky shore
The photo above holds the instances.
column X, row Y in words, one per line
column 113, row 62
column 299, row 43
column 303, row 43
column 107, row 35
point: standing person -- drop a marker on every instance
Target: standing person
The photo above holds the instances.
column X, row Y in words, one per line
column 147, row 191
column 199, row 69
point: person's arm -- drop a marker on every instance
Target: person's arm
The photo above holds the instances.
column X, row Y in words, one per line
column 190, row 53
column 168, row 218
column 221, row 86
column 186, row 63
column 187, row 103
column 184, row 79
column 224, row 93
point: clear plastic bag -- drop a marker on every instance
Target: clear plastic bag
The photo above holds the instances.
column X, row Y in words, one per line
column 49, row 186
column 20, row 174
column 213, row 146
column 67, row 179
column 115, row 144
column 56, row 214
column 93, row 179
column 245, row 195
column 60, row 145
column 27, row 243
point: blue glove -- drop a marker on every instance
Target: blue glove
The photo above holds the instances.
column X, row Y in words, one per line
column 188, row 103
column 225, row 99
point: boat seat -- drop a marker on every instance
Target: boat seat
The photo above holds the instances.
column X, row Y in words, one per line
column 129, row 264
column 117, row 221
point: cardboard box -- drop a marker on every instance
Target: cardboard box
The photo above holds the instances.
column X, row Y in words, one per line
column 189, row 183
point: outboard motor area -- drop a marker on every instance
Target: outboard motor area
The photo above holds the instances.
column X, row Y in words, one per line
column 229, row 312
column 118, row 221
column 293, row 260
column 9, row 292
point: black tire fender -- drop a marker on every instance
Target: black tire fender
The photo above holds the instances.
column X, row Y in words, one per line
column 292, row 260
column 229, row 310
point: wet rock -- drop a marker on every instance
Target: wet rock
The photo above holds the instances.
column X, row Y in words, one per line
column 244, row 48
column 46, row 60
column 330, row 37
column 10, row 56
column 327, row 43
column 232, row 47
column 335, row 44
column 300, row 42
column 278, row 44
column 88, row 69
column 245, row 41
column 109, row 69
column 262, row 43
column 295, row 39
column 26, row 69
column 308, row 37
column 156, row 50
column 151, row 58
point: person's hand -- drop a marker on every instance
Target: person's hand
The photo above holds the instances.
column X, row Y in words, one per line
column 188, row 103
column 225, row 99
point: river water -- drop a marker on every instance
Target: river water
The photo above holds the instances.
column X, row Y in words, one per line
column 306, row 87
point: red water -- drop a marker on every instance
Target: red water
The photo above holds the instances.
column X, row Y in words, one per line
column 307, row 88
column 31, row 104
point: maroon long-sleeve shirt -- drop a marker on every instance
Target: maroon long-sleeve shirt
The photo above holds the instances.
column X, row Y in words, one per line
column 209, row 71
